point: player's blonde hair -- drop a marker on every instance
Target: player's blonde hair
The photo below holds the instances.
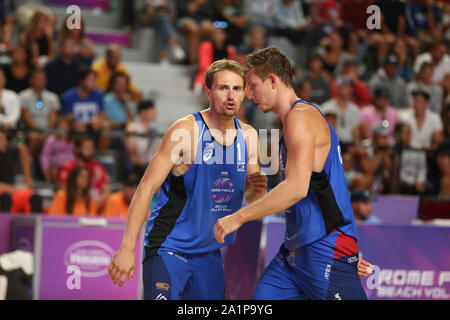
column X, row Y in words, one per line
column 222, row 65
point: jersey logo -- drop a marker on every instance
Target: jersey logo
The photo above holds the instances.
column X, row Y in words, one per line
column 223, row 181
column 223, row 198
column 208, row 154
column 223, row 190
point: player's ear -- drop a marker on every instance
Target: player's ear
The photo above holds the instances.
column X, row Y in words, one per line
column 273, row 79
column 207, row 92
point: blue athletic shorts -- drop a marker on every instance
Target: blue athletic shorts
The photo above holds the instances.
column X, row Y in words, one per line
column 325, row 269
column 173, row 276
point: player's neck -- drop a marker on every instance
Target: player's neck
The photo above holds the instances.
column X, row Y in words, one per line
column 286, row 99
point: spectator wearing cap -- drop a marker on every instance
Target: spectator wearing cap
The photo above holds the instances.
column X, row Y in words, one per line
column 412, row 171
column 141, row 139
column 426, row 125
column 361, row 92
column 315, row 75
column 387, row 75
column 380, row 160
column 379, row 113
column 424, row 80
column 118, row 203
column 362, row 207
column 348, row 114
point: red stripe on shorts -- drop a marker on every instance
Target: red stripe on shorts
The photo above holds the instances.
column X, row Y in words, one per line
column 345, row 245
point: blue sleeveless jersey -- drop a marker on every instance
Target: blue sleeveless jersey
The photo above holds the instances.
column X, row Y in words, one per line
column 327, row 205
column 189, row 205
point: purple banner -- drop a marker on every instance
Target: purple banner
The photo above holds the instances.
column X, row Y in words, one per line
column 120, row 39
column 395, row 208
column 102, row 4
column 413, row 261
column 72, row 256
column 85, row 252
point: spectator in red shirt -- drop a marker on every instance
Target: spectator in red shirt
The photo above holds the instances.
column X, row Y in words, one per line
column 84, row 156
column 361, row 93
column 354, row 14
column 325, row 16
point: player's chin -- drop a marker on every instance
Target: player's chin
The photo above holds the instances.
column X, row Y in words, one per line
column 230, row 112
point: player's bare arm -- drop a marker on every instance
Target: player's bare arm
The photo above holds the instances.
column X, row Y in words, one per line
column 165, row 160
column 300, row 139
column 256, row 183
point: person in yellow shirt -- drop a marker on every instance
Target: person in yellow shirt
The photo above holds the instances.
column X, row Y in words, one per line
column 110, row 64
column 118, row 203
column 75, row 199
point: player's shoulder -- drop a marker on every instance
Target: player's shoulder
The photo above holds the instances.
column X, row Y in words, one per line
column 246, row 127
column 303, row 113
column 187, row 122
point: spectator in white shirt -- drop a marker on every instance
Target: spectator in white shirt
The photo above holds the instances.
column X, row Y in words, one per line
column 9, row 105
column 426, row 126
column 424, row 80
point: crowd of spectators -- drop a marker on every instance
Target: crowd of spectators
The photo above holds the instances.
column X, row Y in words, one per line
column 385, row 91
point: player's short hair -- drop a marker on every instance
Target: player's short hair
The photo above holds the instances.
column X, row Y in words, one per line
column 271, row 60
column 222, row 65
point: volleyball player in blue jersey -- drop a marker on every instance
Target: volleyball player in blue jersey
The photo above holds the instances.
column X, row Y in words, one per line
column 206, row 164
column 319, row 257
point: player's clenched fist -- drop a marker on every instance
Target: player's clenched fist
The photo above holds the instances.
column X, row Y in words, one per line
column 226, row 226
column 122, row 265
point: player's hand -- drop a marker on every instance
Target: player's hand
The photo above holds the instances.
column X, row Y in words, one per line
column 226, row 226
column 258, row 181
column 122, row 266
column 364, row 267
